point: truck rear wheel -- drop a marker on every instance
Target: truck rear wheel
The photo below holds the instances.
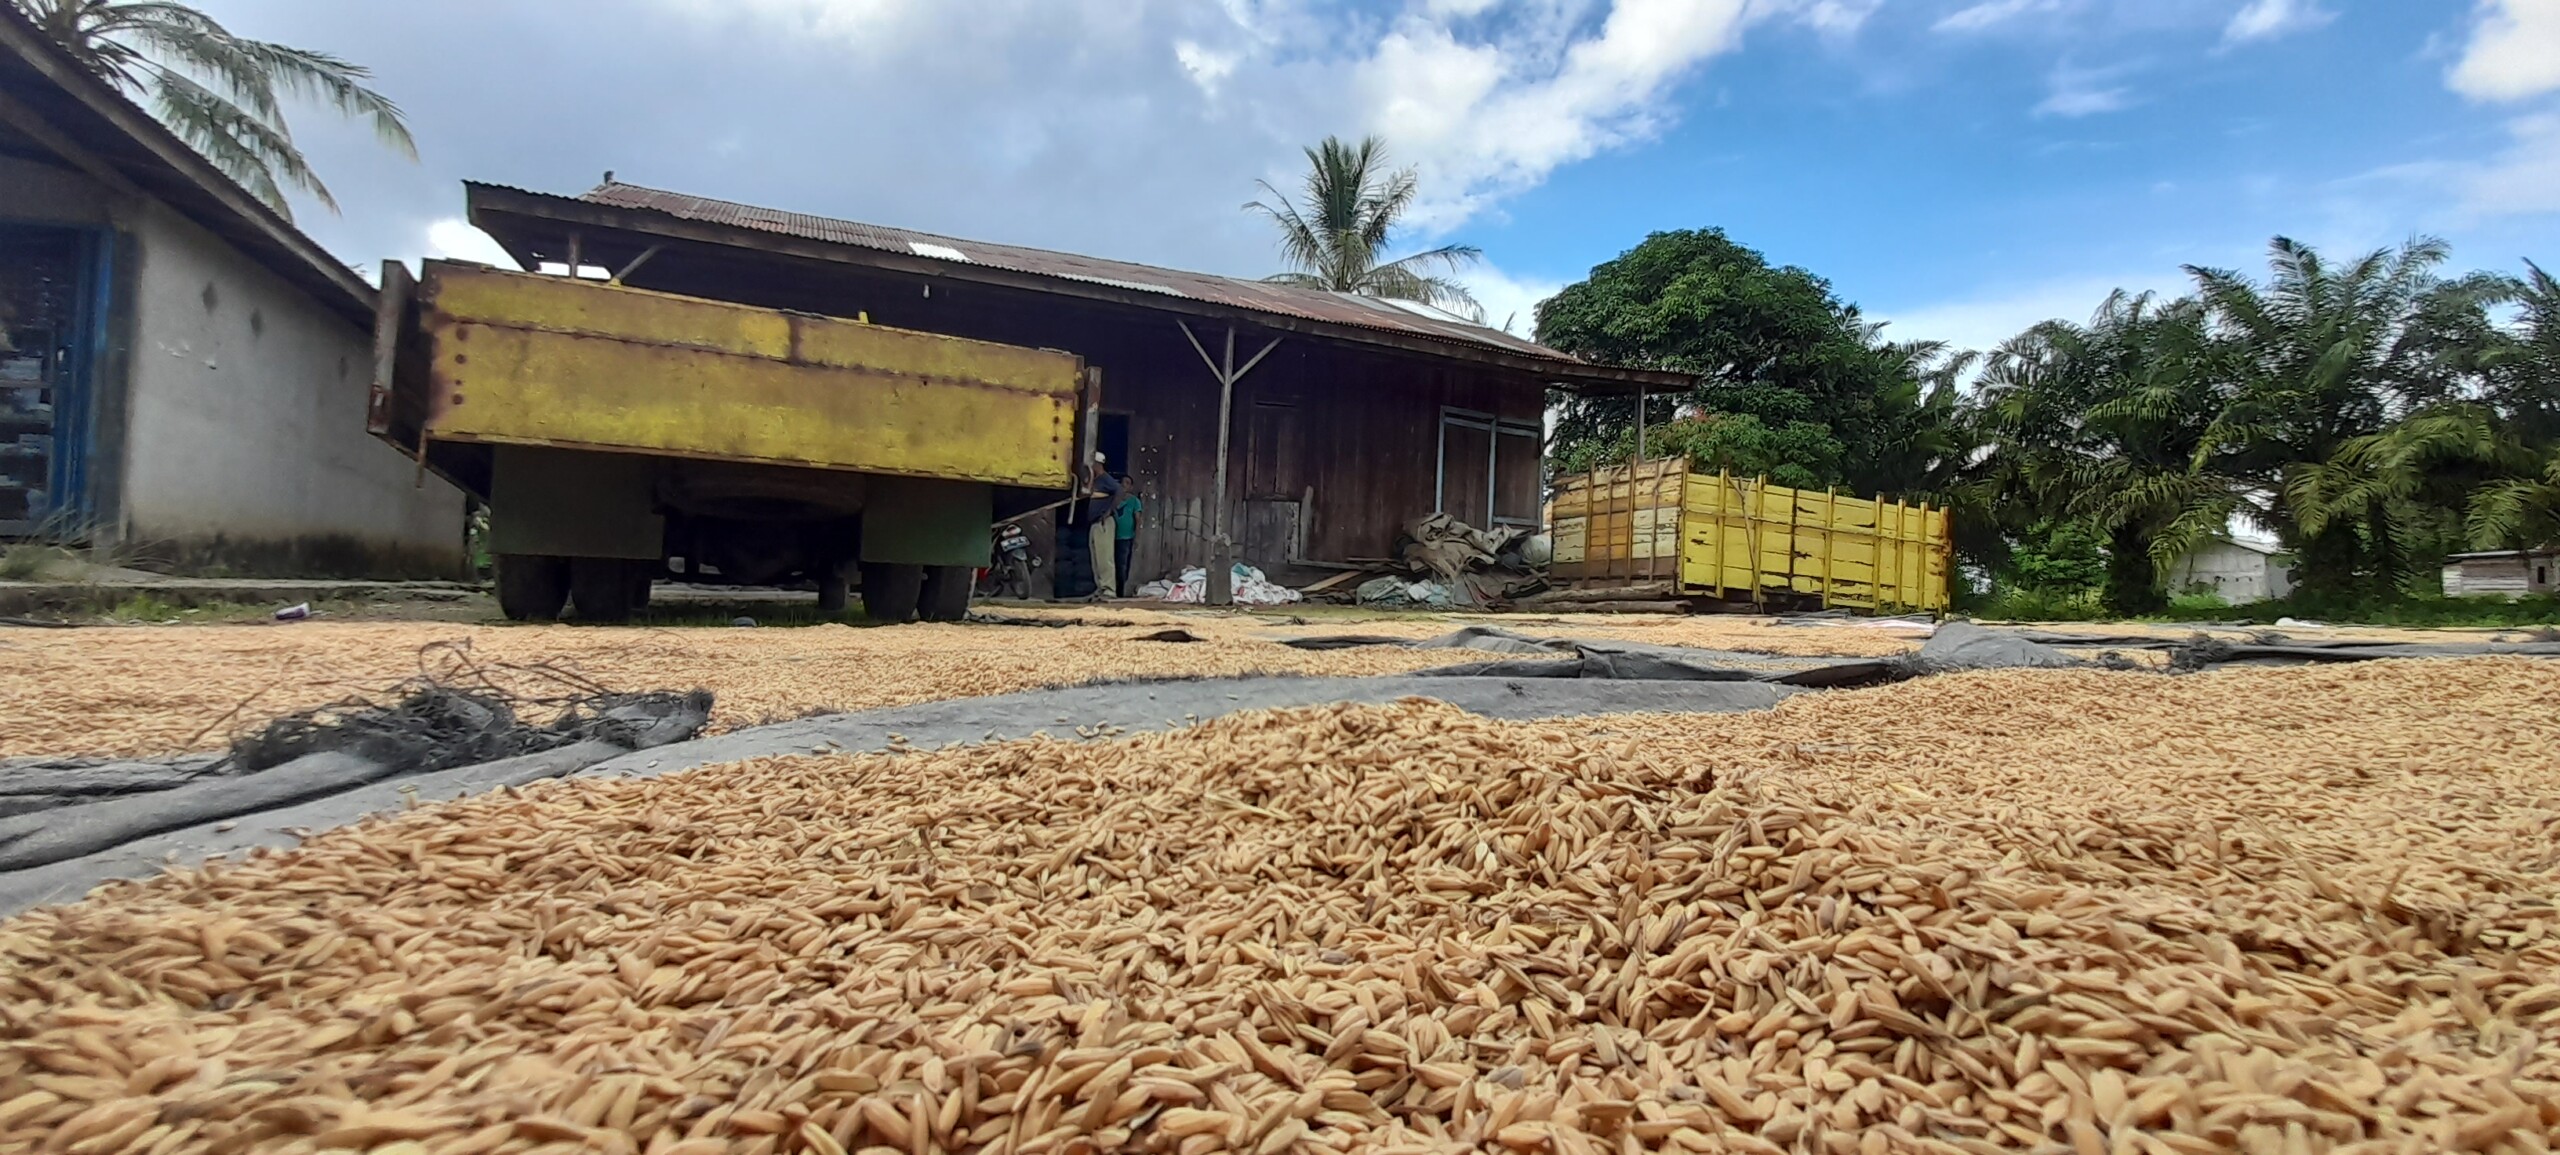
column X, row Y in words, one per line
column 890, row 591
column 601, row 588
column 945, row 597
column 532, row 587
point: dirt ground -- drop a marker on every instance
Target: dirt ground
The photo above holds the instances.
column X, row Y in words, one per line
column 2260, row 910
column 160, row 688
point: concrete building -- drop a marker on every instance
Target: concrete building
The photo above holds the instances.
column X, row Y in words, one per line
column 183, row 374
column 2503, row 573
column 2238, row 569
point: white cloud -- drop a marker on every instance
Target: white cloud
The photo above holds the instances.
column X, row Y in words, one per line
column 1984, row 320
column 1207, row 68
column 2266, row 19
column 2514, row 51
column 1991, row 14
column 1840, row 17
column 2523, row 179
column 454, row 238
column 871, row 24
column 1124, row 128
column 1510, row 303
column 2077, row 92
column 1485, row 118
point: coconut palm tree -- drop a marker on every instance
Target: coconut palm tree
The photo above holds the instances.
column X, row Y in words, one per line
column 219, row 92
column 1337, row 236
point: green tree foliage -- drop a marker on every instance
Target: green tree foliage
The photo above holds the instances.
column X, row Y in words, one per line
column 2373, row 414
column 1780, row 360
column 1338, row 232
column 221, row 93
column 2101, row 424
column 2335, row 370
column 2057, row 558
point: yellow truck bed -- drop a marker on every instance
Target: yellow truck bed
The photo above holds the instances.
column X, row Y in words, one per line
column 506, row 358
column 1719, row 536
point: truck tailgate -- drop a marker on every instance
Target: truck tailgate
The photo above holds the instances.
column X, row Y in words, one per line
column 511, row 358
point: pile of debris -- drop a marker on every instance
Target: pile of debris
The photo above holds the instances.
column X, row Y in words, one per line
column 1448, row 564
column 1248, row 586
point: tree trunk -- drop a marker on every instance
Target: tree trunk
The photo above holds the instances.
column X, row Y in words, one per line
column 2326, row 566
column 2133, row 583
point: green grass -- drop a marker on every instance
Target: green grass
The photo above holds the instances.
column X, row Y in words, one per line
column 2416, row 612
column 146, row 608
column 2021, row 605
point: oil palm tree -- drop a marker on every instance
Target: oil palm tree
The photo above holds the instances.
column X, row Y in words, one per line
column 2102, row 425
column 219, row 92
column 2328, row 355
column 1337, row 236
column 2519, row 507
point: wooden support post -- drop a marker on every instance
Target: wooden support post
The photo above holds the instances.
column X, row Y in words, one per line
column 1221, row 563
column 1221, row 566
column 1875, row 562
column 1830, row 525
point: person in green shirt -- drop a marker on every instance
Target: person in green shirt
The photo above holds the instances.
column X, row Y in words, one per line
column 1124, row 519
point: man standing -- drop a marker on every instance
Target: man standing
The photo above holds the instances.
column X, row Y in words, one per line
column 1124, row 522
column 1102, row 495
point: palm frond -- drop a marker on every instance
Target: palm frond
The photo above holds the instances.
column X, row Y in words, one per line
column 219, row 92
column 245, row 148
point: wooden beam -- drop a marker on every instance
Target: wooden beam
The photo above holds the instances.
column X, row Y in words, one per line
column 28, row 121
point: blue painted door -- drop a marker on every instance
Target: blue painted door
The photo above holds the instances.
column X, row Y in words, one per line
column 53, row 305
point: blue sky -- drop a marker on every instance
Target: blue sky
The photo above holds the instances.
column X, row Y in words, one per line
column 1960, row 167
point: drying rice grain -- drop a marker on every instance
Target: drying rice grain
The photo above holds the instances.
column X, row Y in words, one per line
column 156, row 690
column 2268, row 911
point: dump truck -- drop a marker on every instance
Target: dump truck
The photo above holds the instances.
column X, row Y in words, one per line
column 617, row 435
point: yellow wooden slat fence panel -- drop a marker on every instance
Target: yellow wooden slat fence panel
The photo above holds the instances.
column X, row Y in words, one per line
column 1747, row 540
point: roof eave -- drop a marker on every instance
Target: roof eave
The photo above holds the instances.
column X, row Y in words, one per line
column 500, row 199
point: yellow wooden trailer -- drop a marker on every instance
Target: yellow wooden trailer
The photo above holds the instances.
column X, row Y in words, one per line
column 1713, row 535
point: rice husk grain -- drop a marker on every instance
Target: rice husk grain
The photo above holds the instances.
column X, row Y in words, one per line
column 2280, row 911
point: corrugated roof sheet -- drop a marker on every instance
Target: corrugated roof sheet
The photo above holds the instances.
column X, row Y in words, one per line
column 1309, row 304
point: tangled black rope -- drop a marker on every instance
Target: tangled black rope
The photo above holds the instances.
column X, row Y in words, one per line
column 455, row 713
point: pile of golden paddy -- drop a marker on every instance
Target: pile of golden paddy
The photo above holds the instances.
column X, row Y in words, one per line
column 2267, row 911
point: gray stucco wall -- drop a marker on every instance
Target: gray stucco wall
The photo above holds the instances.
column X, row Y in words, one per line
column 2240, row 574
column 33, row 192
column 234, row 442
column 245, row 447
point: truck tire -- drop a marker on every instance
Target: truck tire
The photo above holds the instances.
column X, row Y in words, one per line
column 890, row 591
column 601, row 588
column 532, row 587
column 945, row 597
column 833, row 594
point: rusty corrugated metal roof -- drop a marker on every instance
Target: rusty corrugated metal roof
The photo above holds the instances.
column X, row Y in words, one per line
column 1308, row 304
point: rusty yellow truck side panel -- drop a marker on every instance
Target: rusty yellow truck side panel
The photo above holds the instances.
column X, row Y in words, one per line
column 522, row 359
column 1718, row 536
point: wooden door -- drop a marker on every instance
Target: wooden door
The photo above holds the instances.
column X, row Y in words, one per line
column 1466, row 469
column 1274, row 487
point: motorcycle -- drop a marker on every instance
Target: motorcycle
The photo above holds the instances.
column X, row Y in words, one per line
column 1010, row 576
